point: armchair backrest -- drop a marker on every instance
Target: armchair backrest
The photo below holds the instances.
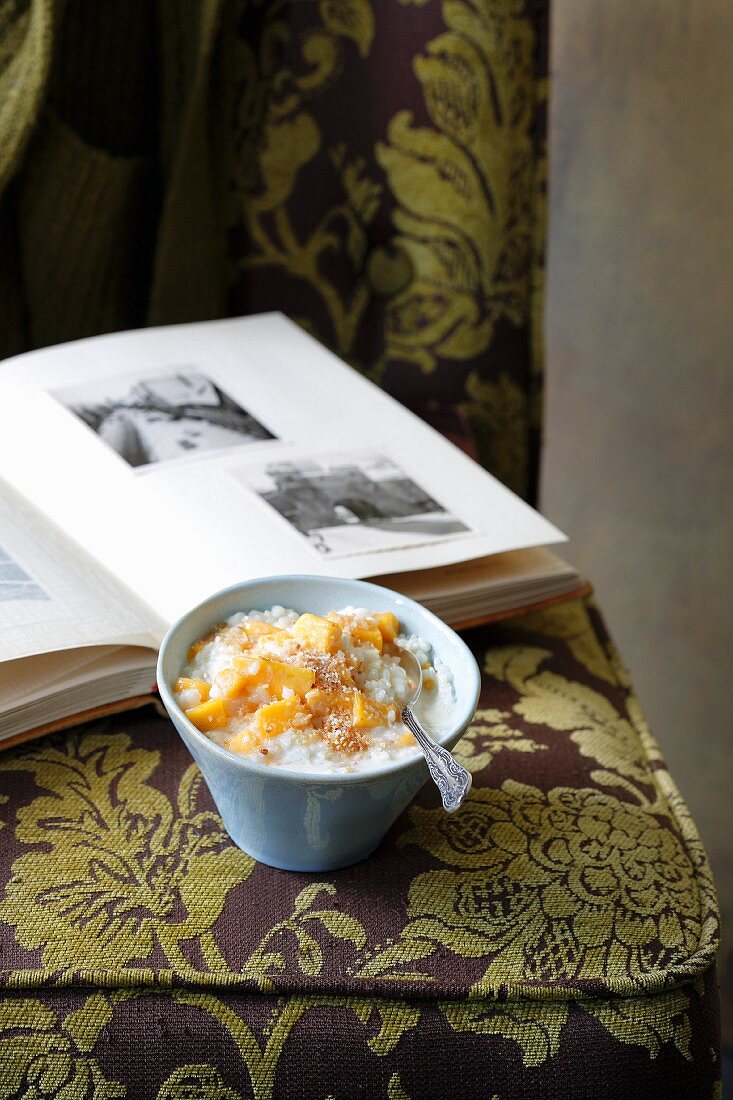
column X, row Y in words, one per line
column 386, row 188
column 374, row 168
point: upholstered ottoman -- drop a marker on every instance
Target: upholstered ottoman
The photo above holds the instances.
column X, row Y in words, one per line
column 555, row 938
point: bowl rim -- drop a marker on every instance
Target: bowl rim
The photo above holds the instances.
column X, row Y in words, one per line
column 261, row 769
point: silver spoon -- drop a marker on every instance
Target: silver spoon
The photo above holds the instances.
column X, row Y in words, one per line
column 450, row 777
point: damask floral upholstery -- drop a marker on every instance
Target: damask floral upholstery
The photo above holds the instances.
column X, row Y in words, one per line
column 553, row 938
column 375, row 168
column 406, row 231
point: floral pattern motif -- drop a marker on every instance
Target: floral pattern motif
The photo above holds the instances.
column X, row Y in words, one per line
column 591, row 884
column 116, row 872
column 44, row 1058
column 508, row 923
column 571, row 623
column 532, row 887
column 491, row 732
column 602, row 884
column 44, row 1053
column 601, row 732
column 412, row 242
column 567, row 885
column 462, row 187
column 196, row 1082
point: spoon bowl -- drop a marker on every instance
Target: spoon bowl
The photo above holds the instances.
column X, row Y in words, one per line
column 413, row 668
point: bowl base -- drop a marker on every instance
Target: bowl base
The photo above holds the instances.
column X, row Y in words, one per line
column 310, row 866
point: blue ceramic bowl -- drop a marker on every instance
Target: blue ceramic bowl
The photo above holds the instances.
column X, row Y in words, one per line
column 292, row 819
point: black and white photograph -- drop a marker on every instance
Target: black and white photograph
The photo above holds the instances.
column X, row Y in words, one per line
column 154, row 419
column 352, row 504
column 15, row 583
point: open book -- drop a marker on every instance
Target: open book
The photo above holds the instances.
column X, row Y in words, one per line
column 143, row 471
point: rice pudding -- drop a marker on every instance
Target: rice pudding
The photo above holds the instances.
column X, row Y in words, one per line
column 316, row 693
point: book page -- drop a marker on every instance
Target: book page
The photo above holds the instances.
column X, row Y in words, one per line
column 53, row 596
column 28, row 680
column 192, row 457
column 503, row 571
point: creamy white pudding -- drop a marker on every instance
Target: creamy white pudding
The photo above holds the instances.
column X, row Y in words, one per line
column 316, row 693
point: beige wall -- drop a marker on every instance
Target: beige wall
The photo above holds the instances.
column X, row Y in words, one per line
column 638, row 465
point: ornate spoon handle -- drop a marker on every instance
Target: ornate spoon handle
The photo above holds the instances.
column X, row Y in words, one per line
column 451, row 779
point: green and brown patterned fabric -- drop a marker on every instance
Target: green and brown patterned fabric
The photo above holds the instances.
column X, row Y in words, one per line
column 407, row 230
column 376, row 168
column 553, row 938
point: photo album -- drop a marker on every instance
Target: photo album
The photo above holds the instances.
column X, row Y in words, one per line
column 143, row 471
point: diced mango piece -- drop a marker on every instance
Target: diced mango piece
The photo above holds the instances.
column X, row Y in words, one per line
column 258, row 629
column 388, row 624
column 363, row 634
column 244, row 741
column 321, row 702
column 274, row 718
column 242, row 707
column 231, row 683
column 406, row 739
column 211, row 715
column 185, row 683
column 428, row 683
column 316, row 633
column 276, row 674
column 281, row 675
column 252, row 668
column 366, row 713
